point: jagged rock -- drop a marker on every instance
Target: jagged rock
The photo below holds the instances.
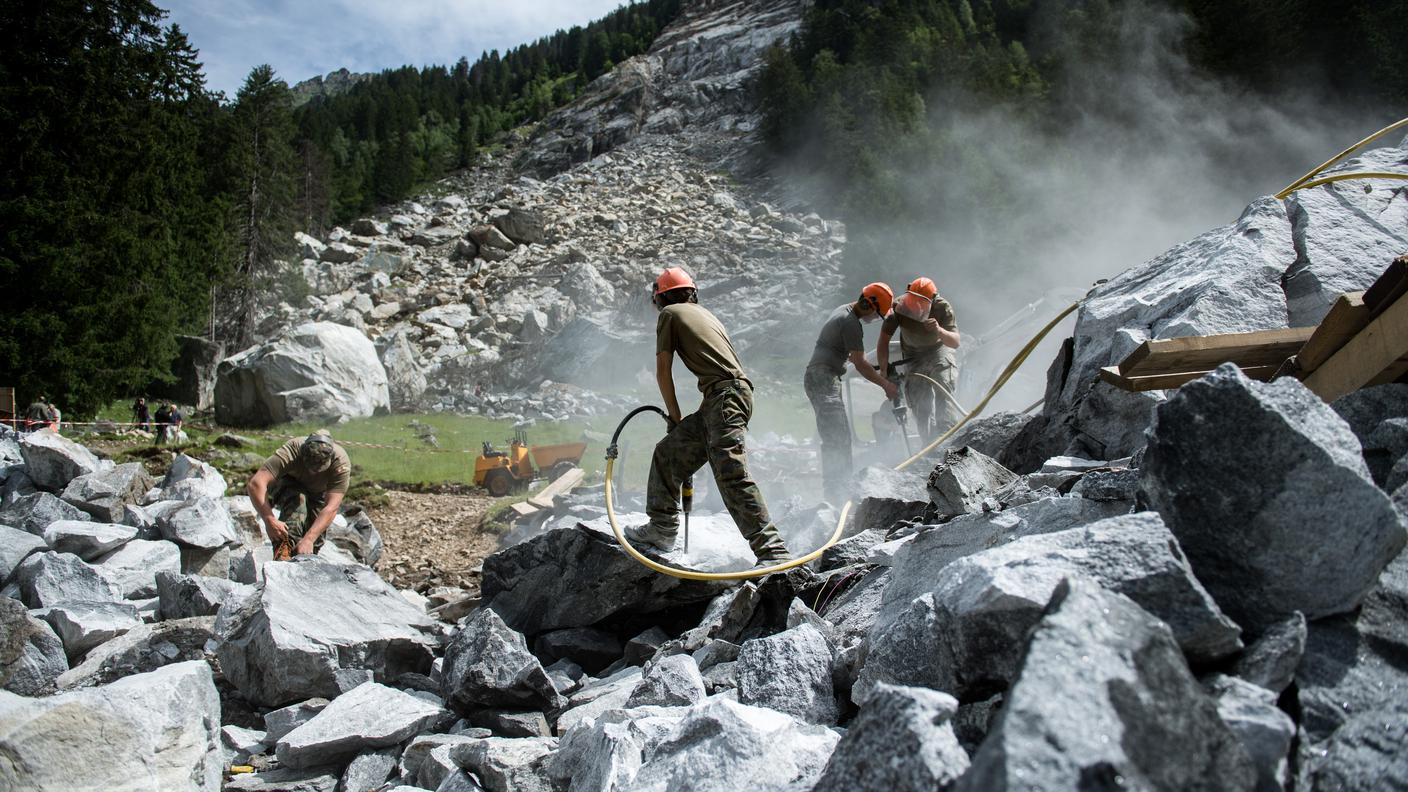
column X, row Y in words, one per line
column 1265, row 731
column 283, row 720
column 508, row 764
column 317, row 371
column 605, row 753
column 1108, row 485
column 459, row 781
column 207, row 562
column 512, row 723
column 853, row 610
column 104, row 494
column 964, row 480
column 878, row 481
column 191, row 479
column 144, row 648
column 575, row 578
column 135, row 565
column 240, row 744
column 487, row 664
column 744, row 748
column 917, row 565
column 789, row 672
column 339, row 253
column 880, row 515
column 368, row 716
column 358, row 535
column 32, row 513
column 311, row 619
column 246, row 519
column 84, row 625
column 51, row 460
column 31, row 655
column 583, row 284
column 202, row 523
column 590, row 648
column 599, row 697
column 184, row 596
column 489, row 238
column 16, row 546
column 1270, row 661
column 284, row 780
column 247, row 564
column 151, row 731
column 902, row 740
column 1366, row 752
column 51, row 578
column 1278, row 462
column 850, row 551
column 419, row 749
column 368, row 227
column 405, row 377
column 966, row 636
column 87, row 540
column 669, row 682
column 523, row 226
column 1104, row 698
column 643, row 646
column 369, row 770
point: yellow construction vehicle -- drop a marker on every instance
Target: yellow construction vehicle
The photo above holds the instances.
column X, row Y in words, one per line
column 502, row 472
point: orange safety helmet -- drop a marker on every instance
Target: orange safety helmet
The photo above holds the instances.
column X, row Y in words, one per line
column 924, row 287
column 879, row 296
column 671, row 279
column 916, row 303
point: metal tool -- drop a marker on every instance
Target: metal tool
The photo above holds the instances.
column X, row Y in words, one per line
column 897, row 404
column 686, row 503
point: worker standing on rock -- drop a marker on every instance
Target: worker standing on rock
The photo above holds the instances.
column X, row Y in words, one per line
column 842, row 338
column 928, row 336
column 713, row 434
column 314, row 471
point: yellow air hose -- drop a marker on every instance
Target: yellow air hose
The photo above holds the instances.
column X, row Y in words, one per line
column 690, row 574
column 1305, row 182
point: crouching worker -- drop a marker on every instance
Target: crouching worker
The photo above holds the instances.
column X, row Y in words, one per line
column 714, row 434
column 314, row 472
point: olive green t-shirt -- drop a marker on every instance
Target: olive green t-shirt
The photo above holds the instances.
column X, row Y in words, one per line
column 702, row 343
column 285, row 463
column 916, row 339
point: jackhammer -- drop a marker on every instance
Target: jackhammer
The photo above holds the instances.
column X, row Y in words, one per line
column 897, row 405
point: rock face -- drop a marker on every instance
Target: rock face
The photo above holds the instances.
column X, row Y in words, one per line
column 902, row 740
column 164, row 726
column 789, row 672
column 84, row 625
column 51, row 461
column 1095, row 705
column 672, row 681
column 53, row 578
column 87, row 540
column 184, row 596
column 317, row 371
column 964, row 480
column 105, row 494
column 1278, row 464
column 134, row 566
column 16, row 546
column 34, row 512
column 311, row 619
column 31, row 655
column 204, row 523
column 487, row 664
column 143, row 648
column 368, row 716
column 967, row 635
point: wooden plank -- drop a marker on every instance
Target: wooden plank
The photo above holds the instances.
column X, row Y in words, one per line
column 1347, row 316
column 1177, row 379
column 524, row 509
column 1366, row 357
column 1391, row 285
column 564, row 483
column 1205, row 353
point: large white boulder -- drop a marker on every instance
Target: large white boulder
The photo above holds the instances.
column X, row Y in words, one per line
column 316, row 371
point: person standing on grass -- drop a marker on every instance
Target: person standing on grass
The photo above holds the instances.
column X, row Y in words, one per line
column 313, row 472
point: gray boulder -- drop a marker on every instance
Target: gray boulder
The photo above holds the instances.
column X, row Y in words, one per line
column 144, row 648
column 368, row 716
column 523, row 226
column 189, row 478
column 989, row 434
column 84, row 625
column 283, row 720
column 156, row 731
column 606, row 752
column 51, row 578
column 51, row 460
column 512, row 723
column 966, row 482
column 508, row 764
column 1109, row 485
column 204, row 523
column 1270, row 661
column 369, row 770
column 135, row 565
column 595, row 698
column 311, row 619
column 743, row 747
column 1266, row 732
column 16, row 546
column 966, row 637
column 902, row 741
column 1366, row 752
column 34, row 512
column 405, row 377
column 1278, row 463
column 487, row 664
column 241, row 744
column 577, row 577
column 1104, row 699
column 672, row 681
column 1376, row 416
column 104, row 494
column 184, row 596
column 31, row 655
column 316, row 371
column 87, row 540
column 789, row 672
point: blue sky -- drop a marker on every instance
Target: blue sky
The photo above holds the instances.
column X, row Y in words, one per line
column 304, row 39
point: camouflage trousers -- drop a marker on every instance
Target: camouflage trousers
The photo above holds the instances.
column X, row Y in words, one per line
column 833, row 426
column 933, row 412
column 288, row 499
column 714, row 435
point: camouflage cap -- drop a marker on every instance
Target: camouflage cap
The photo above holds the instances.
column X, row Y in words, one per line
column 317, row 451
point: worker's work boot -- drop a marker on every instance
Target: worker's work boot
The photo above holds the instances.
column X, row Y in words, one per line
column 772, row 559
column 650, row 535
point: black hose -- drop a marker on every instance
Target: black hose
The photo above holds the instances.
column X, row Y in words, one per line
column 611, row 451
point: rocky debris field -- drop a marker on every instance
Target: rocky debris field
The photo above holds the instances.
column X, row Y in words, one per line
column 433, row 540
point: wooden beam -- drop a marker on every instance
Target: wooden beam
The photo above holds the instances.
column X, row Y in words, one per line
column 1369, row 355
column 1205, row 353
column 1391, row 285
column 563, row 483
column 524, row 509
column 1346, row 317
column 1173, row 380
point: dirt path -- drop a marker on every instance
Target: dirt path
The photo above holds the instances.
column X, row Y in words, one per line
column 433, row 540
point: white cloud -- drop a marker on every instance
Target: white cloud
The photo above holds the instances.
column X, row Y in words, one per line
column 301, row 40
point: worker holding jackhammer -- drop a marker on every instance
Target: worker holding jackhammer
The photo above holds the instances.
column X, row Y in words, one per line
column 713, row 434
column 312, row 472
column 928, row 335
column 842, row 338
